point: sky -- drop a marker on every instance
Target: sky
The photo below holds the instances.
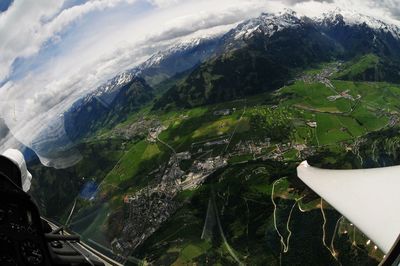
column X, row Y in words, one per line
column 54, row 52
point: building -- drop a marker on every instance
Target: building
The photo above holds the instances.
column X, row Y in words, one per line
column 312, row 124
column 223, row 112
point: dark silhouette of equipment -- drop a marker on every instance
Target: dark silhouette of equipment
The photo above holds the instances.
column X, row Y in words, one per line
column 27, row 239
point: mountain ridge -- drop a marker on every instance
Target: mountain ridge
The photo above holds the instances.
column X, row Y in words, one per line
column 278, row 43
column 288, row 42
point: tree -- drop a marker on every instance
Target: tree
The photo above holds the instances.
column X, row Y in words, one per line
column 275, row 122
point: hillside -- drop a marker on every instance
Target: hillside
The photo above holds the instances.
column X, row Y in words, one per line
column 262, row 60
column 370, row 67
column 107, row 107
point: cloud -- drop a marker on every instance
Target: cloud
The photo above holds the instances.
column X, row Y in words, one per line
column 21, row 30
column 293, row 2
column 27, row 25
column 164, row 3
column 391, row 6
column 203, row 19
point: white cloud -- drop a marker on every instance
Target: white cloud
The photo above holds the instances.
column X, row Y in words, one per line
column 26, row 25
column 20, row 30
column 164, row 3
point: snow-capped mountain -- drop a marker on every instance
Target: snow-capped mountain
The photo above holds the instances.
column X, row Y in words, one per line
column 267, row 24
column 158, row 57
column 107, row 106
column 352, row 18
column 263, row 54
column 114, row 84
column 185, row 55
column 117, row 81
column 195, row 50
column 177, row 59
column 287, row 40
column 108, row 91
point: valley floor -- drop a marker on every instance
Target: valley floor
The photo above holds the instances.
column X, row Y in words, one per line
column 217, row 184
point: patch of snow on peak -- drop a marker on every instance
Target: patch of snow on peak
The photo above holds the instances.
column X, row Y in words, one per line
column 268, row 24
column 112, row 86
column 351, row 17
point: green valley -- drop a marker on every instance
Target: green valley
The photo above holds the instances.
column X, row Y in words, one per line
column 223, row 178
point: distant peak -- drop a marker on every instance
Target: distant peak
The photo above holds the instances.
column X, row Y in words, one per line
column 352, row 17
column 288, row 11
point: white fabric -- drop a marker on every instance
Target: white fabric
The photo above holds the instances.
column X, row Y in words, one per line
column 18, row 158
column 369, row 198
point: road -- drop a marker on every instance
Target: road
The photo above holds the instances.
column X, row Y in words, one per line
column 228, row 247
column 331, row 250
column 234, row 131
column 166, row 144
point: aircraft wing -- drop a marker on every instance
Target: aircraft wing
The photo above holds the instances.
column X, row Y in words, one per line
column 369, row 198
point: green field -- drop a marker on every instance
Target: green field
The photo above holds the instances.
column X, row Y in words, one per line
column 357, row 67
column 242, row 193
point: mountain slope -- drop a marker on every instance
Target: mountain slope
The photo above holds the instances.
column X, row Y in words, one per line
column 265, row 58
column 264, row 53
column 259, row 55
column 375, row 44
column 177, row 59
column 370, row 67
column 125, row 93
column 109, row 105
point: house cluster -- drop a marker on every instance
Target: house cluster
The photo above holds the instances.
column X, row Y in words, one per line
column 136, row 129
column 148, row 209
column 200, row 171
column 251, row 147
column 154, row 132
column 343, row 95
column 151, row 206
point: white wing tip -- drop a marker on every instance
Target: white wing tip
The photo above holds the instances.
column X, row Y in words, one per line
column 303, row 164
column 302, row 170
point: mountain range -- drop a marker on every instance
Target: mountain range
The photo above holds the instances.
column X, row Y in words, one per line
column 260, row 54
